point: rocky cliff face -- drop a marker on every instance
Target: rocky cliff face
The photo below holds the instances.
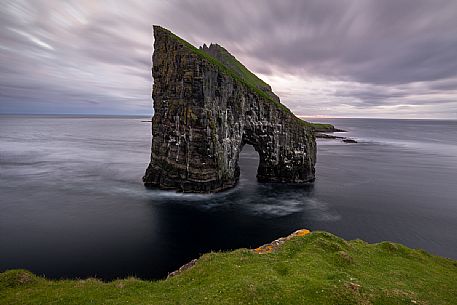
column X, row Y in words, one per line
column 205, row 111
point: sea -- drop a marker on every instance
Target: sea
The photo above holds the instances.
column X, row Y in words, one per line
column 72, row 203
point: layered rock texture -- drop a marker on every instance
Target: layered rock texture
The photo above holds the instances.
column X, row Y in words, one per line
column 207, row 105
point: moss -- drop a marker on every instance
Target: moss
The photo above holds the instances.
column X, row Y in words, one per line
column 190, row 115
column 317, row 268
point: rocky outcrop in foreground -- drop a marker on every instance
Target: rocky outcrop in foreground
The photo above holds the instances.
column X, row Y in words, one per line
column 207, row 106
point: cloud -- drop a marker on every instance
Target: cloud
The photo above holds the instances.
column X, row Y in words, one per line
column 323, row 57
column 32, row 38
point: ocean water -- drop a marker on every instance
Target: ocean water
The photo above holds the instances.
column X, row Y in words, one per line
column 72, row 204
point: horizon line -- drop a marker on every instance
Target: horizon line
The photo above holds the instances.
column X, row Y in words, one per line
column 150, row 115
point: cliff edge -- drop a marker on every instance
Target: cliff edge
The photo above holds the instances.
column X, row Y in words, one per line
column 304, row 268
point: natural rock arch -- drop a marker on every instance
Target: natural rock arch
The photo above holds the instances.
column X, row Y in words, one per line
column 207, row 106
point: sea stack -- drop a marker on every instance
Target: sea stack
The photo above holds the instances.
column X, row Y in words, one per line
column 207, row 105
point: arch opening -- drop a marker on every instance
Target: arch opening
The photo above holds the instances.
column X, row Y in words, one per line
column 248, row 163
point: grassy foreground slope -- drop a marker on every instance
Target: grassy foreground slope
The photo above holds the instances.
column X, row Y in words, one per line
column 318, row 268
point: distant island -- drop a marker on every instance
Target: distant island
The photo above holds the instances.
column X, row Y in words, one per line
column 325, row 131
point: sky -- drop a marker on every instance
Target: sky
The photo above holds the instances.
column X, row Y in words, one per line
column 339, row 58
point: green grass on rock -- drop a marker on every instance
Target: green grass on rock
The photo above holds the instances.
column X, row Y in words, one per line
column 248, row 79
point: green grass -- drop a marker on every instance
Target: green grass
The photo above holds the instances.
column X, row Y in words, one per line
column 226, row 58
column 247, row 78
column 240, row 74
column 318, row 268
column 323, row 127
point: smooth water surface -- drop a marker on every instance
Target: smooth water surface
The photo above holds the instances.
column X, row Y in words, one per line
column 72, row 202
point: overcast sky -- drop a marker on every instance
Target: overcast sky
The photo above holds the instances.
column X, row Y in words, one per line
column 354, row 58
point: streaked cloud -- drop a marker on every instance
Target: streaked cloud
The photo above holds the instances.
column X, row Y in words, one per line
column 365, row 58
column 32, row 38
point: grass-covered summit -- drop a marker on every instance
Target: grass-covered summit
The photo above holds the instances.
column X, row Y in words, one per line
column 227, row 64
column 318, row 268
column 227, row 59
column 230, row 66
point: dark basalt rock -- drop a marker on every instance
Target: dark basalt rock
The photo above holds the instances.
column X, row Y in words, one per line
column 349, row 141
column 327, row 136
column 320, row 135
column 205, row 113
